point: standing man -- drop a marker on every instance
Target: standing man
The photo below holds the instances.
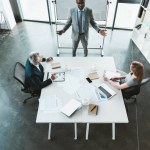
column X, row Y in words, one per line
column 80, row 18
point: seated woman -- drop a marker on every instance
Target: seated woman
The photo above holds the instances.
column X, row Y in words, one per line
column 34, row 73
column 133, row 78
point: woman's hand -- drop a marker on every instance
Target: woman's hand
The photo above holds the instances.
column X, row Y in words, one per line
column 106, row 78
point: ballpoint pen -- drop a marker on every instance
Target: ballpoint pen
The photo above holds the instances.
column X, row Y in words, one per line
column 47, row 75
column 104, row 73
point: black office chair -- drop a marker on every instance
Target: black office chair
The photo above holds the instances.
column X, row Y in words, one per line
column 130, row 94
column 19, row 75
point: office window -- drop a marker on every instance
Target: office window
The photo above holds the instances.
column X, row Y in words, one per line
column 111, row 13
column 34, row 10
column 126, row 15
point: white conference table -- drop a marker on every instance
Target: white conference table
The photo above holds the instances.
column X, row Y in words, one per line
column 110, row 111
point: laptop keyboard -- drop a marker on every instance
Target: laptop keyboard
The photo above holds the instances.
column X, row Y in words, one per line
column 105, row 92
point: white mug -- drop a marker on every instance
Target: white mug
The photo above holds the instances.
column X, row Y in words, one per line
column 93, row 68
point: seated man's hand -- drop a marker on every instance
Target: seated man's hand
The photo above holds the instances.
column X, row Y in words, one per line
column 60, row 32
column 49, row 59
column 53, row 77
column 103, row 32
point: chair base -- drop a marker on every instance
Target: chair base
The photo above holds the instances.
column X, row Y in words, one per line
column 24, row 102
column 127, row 101
column 131, row 100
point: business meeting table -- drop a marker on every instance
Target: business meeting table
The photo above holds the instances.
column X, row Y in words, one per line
column 59, row 93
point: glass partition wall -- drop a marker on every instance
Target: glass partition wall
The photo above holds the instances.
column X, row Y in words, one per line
column 40, row 10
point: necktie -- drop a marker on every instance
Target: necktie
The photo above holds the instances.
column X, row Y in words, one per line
column 80, row 22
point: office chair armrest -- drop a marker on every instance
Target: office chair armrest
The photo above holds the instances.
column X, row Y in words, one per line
column 25, row 90
column 121, row 72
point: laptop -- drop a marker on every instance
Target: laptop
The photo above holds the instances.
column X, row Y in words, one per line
column 70, row 108
column 106, row 90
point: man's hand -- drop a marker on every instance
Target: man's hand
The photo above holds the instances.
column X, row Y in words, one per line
column 53, row 77
column 60, row 32
column 49, row 59
column 103, row 32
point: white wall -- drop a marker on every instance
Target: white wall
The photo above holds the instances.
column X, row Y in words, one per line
column 8, row 14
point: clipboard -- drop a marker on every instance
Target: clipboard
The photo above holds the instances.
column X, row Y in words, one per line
column 60, row 77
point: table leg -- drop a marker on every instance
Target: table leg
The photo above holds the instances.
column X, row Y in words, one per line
column 49, row 131
column 75, row 131
column 87, row 131
column 113, row 131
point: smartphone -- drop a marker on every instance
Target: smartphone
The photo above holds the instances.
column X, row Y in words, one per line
column 89, row 80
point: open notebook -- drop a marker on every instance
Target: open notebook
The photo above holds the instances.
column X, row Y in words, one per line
column 71, row 107
column 106, row 90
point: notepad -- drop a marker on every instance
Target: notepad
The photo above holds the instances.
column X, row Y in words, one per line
column 111, row 74
column 55, row 65
column 93, row 75
column 104, row 88
column 70, row 108
column 92, row 109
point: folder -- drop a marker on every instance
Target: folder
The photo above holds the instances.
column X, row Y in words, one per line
column 55, row 65
column 92, row 109
column 70, row 108
column 93, row 75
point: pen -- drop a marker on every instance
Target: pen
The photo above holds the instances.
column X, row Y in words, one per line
column 93, row 108
column 104, row 73
column 47, row 75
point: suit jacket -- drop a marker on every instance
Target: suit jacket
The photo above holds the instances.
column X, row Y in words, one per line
column 73, row 20
column 34, row 77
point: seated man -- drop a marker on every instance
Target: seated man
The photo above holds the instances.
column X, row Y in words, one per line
column 34, row 73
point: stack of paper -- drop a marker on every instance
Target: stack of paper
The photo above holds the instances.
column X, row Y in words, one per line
column 50, row 104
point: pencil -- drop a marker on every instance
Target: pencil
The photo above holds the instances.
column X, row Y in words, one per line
column 93, row 108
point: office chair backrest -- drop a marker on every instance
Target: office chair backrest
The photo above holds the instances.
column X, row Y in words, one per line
column 19, row 73
column 144, row 81
column 131, row 91
column 134, row 90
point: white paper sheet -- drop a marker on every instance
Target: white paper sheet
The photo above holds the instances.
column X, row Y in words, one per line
column 111, row 74
column 52, row 103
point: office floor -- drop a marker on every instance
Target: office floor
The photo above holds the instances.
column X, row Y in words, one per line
column 18, row 130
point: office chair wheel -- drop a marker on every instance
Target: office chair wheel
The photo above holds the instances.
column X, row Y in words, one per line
column 24, row 102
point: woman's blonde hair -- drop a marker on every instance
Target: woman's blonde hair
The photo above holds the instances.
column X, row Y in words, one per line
column 138, row 70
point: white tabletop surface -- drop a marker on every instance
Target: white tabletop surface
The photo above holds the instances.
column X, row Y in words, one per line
column 110, row 111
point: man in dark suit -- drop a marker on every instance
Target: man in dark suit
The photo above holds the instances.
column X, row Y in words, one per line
column 80, row 18
column 34, row 73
